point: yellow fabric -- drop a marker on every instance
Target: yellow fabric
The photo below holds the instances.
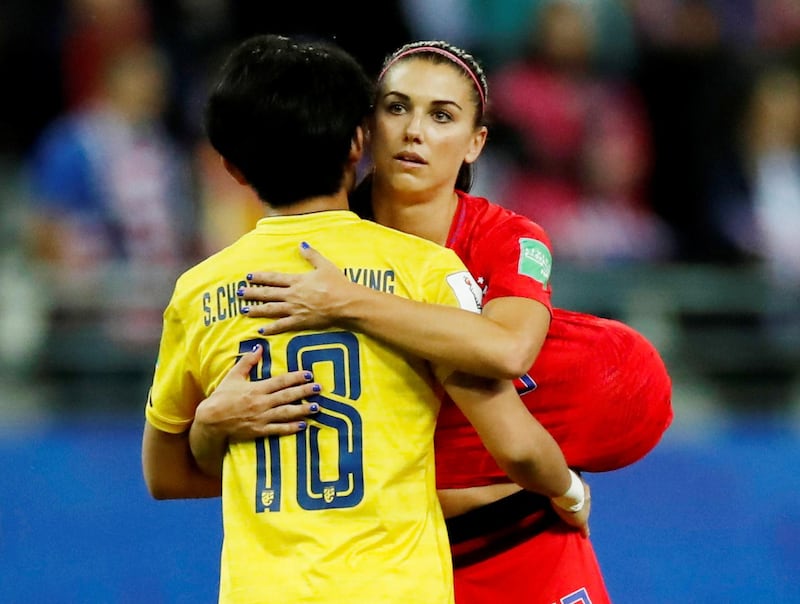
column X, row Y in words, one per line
column 346, row 511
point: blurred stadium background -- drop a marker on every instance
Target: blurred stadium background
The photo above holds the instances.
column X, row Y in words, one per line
column 679, row 238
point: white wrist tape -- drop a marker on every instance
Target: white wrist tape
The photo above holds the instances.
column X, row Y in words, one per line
column 574, row 498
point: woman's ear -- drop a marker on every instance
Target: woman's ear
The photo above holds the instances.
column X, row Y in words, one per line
column 476, row 144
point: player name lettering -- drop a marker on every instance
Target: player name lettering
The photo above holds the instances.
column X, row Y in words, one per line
column 374, row 278
column 222, row 303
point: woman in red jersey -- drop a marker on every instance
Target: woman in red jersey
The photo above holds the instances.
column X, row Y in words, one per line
column 597, row 385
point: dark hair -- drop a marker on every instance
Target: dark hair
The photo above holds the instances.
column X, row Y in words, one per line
column 284, row 112
column 441, row 52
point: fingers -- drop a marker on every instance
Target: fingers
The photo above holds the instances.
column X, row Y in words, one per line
column 266, row 293
column 272, row 279
column 283, row 418
column 273, row 310
column 313, row 256
column 282, row 326
column 276, row 407
column 249, row 360
column 284, row 381
column 291, row 413
column 288, row 419
column 280, row 420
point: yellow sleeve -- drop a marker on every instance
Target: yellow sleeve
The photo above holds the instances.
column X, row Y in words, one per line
column 175, row 391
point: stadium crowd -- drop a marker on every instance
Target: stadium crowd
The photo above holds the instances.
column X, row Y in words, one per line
column 638, row 133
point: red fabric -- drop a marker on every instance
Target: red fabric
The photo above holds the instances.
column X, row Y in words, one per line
column 486, row 238
column 601, row 388
column 602, row 391
column 558, row 565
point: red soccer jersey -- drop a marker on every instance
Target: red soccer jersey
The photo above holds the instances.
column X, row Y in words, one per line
column 598, row 386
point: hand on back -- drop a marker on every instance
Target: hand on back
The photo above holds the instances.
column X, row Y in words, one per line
column 242, row 409
column 298, row 301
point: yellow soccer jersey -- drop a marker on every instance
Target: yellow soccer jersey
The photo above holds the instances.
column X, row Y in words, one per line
column 346, row 511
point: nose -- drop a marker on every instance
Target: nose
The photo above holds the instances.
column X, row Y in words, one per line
column 413, row 130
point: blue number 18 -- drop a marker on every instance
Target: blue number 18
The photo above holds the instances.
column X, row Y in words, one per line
column 340, row 350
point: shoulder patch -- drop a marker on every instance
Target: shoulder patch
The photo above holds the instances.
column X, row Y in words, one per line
column 467, row 291
column 535, row 260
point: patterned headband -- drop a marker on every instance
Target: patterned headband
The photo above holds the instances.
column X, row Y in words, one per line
column 444, row 53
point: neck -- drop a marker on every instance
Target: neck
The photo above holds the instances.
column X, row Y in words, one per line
column 324, row 203
column 429, row 219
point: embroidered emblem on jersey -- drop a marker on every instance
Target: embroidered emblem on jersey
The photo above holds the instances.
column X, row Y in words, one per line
column 535, row 260
column 467, row 291
column 267, row 497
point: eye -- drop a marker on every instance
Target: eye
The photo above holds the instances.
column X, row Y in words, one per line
column 396, row 108
column 442, row 116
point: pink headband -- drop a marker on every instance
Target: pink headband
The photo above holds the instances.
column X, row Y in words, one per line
column 444, row 53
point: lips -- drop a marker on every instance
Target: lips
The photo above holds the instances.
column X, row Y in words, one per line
column 407, row 156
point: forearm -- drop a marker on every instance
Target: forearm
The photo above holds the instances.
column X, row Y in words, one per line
column 170, row 471
column 502, row 342
column 541, row 466
column 193, row 484
column 521, row 446
column 468, row 341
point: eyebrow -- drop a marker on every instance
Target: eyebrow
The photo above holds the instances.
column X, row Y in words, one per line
column 405, row 97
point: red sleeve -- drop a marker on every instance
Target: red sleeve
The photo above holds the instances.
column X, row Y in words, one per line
column 517, row 261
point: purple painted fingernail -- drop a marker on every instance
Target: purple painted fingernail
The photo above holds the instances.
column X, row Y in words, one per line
column 245, row 309
column 256, row 347
column 249, row 276
column 308, row 375
column 240, row 292
column 261, row 330
column 305, row 245
column 316, row 388
column 301, row 425
column 313, row 407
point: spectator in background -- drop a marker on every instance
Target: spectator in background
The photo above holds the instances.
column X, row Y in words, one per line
column 756, row 194
column 110, row 200
column 226, row 210
column 694, row 83
column 775, row 152
column 582, row 145
column 755, row 197
column 93, row 31
column 776, row 23
column 500, row 30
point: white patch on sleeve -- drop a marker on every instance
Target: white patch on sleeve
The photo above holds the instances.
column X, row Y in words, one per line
column 467, row 291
